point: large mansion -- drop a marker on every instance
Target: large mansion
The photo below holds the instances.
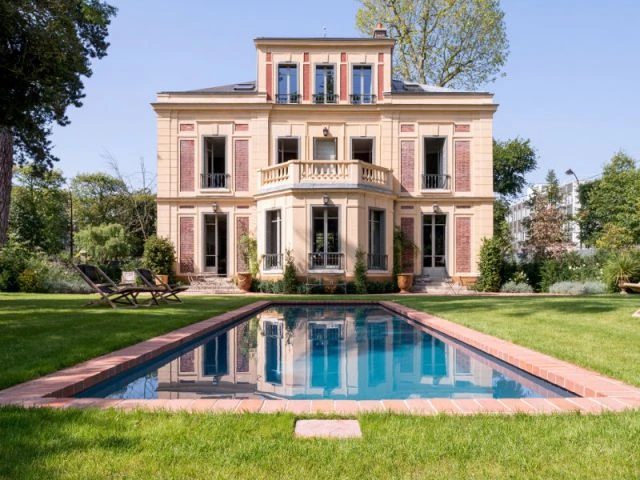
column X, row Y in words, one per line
column 325, row 153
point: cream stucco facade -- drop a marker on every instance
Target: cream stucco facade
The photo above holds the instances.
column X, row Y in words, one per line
column 322, row 155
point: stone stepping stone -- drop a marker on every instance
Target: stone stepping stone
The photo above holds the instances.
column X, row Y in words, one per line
column 328, row 429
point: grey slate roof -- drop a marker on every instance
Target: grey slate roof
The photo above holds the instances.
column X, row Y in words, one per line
column 397, row 87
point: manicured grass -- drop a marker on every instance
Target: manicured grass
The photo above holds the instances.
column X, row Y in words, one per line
column 595, row 332
column 43, row 333
column 110, row 444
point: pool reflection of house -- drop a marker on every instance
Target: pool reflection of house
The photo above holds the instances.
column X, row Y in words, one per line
column 312, row 352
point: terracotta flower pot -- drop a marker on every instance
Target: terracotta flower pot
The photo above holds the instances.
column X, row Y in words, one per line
column 244, row 281
column 405, row 282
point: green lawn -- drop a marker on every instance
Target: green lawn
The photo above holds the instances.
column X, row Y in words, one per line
column 42, row 333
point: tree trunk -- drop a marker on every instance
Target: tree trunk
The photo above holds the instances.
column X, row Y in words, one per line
column 6, row 173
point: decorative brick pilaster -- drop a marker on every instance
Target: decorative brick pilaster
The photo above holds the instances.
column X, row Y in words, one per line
column 306, row 82
column 187, row 246
column 408, row 254
column 241, row 168
column 463, row 166
column 242, row 227
column 407, row 165
column 187, row 173
column 380, row 76
column 269, row 80
column 463, row 244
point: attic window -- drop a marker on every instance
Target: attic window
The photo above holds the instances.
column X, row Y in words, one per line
column 243, row 86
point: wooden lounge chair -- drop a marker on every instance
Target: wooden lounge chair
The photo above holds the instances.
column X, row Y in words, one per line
column 163, row 291
column 634, row 287
column 111, row 293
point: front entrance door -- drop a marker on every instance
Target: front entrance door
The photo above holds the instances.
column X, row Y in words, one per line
column 434, row 245
column 215, row 243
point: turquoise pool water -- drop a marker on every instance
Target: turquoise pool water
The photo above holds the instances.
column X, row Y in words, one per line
column 336, row 352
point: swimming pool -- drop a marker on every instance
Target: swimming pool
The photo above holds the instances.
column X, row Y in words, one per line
column 340, row 352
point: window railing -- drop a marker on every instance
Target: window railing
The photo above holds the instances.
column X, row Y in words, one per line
column 288, row 98
column 435, row 181
column 325, row 98
column 325, row 261
column 214, row 180
column 272, row 261
column 362, row 98
column 376, row 261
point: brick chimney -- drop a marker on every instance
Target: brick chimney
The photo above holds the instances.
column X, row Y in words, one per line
column 380, row 31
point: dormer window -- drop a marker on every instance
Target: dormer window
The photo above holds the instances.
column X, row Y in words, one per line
column 362, row 85
column 325, row 85
column 287, row 84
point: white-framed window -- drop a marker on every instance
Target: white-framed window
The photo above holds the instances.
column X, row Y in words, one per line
column 435, row 163
column 362, row 85
column 325, row 148
column 287, row 148
column 273, row 240
column 362, row 149
column 287, row 83
column 377, row 258
column 325, row 91
column 214, row 169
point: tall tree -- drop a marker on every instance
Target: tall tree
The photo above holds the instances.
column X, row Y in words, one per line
column 39, row 210
column 612, row 201
column 456, row 43
column 46, row 48
column 546, row 233
column 512, row 159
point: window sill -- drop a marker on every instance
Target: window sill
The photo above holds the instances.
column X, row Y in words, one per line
column 327, row 270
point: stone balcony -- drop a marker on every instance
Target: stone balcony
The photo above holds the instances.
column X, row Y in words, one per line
column 325, row 174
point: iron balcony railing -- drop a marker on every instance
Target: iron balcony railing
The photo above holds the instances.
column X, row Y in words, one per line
column 325, row 98
column 272, row 261
column 326, row 261
column 214, row 180
column 362, row 98
column 437, row 181
column 288, row 98
column 377, row 261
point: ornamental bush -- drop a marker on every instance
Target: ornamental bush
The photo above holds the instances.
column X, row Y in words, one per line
column 159, row 256
column 360, row 273
column 490, row 265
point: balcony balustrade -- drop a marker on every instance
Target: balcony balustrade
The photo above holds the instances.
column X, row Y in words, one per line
column 349, row 174
column 288, row 98
column 325, row 98
column 272, row 261
column 435, row 182
column 362, row 98
column 326, row 261
column 213, row 180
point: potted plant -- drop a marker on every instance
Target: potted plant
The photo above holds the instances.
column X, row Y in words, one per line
column 248, row 246
column 402, row 261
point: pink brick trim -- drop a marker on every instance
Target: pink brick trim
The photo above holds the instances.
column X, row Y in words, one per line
column 242, row 227
column 408, row 255
column 380, row 82
column 343, row 57
column 187, row 127
column 269, row 80
column 306, row 82
column 268, row 56
column 463, row 244
column 241, row 165
column 343, row 82
column 241, row 127
column 187, row 170
column 463, row 165
column 187, row 362
column 306, row 56
column 407, row 165
column 407, row 128
column 187, row 244
column 462, row 128
column 380, row 57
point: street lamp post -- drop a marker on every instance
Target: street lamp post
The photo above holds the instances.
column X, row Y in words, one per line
column 571, row 172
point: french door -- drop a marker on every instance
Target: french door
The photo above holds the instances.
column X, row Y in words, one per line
column 434, row 245
column 215, row 243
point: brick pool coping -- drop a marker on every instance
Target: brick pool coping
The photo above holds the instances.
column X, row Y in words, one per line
column 597, row 392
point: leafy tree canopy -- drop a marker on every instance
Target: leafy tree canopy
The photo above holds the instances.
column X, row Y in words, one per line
column 612, row 201
column 39, row 210
column 46, row 48
column 456, row 43
column 512, row 159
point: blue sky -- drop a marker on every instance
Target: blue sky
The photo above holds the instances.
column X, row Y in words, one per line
column 570, row 85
